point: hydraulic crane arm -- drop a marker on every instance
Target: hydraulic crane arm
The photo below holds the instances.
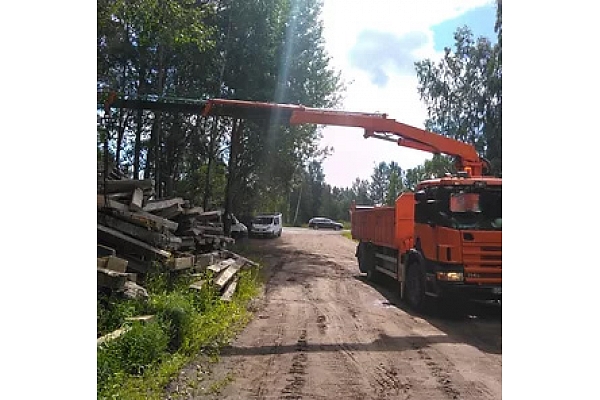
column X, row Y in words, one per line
column 375, row 125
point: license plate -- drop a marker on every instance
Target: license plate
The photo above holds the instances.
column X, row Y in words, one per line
column 497, row 290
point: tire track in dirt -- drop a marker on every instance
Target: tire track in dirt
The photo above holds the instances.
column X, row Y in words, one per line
column 324, row 333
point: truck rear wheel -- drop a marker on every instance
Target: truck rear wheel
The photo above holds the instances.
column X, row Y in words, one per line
column 414, row 290
column 366, row 259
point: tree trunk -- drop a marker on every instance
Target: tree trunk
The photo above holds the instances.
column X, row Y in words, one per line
column 212, row 139
column 236, row 132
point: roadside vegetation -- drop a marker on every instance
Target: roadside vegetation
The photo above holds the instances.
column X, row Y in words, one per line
column 187, row 322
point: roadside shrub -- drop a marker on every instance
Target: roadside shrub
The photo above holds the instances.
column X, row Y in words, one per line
column 174, row 310
column 139, row 348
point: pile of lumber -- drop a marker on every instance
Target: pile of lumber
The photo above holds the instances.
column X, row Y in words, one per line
column 224, row 268
column 145, row 231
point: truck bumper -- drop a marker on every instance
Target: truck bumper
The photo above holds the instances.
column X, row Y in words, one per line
column 469, row 292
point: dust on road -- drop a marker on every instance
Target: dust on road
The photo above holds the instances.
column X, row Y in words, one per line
column 323, row 332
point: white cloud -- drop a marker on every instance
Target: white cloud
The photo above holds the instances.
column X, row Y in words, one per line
column 393, row 20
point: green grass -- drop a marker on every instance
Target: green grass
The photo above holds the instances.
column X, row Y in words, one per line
column 140, row 363
column 347, row 234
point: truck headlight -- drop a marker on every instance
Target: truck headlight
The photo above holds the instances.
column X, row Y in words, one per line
column 450, row 276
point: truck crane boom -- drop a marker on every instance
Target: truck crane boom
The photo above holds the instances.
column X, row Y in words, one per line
column 376, row 125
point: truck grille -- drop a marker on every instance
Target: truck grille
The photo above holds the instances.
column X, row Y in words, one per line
column 483, row 263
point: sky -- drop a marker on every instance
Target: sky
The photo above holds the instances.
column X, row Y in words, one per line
column 375, row 48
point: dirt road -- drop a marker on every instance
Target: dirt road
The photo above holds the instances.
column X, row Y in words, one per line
column 324, row 332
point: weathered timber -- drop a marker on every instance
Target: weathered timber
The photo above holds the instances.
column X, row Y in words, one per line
column 230, row 289
column 119, row 239
column 157, row 205
column 132, row 290
column 207, row 215
column 226, row 239
column 126, row 185
column 108, row 202
column 140, row 318
column 105, row 251
column 113, row 263
column 111, row 279
column 247, row 262
column 178, row 263
column 197, row 285
column 145, row 219
column 113, row 335
column 102, row 261
column 139, row 265
column 206, row 259
column 228, row 273
column 137, row 199
column 221, row 265
column 187, row 242
column 170, row 212
column 148, row 236
column 193, row 211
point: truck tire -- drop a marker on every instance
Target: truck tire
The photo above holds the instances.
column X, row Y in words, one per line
column 367, row 261
column 364, row 254
column 414, row 290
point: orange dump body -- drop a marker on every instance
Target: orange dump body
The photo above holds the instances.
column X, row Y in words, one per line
column 384, row 225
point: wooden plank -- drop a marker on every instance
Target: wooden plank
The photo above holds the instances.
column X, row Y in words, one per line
column 116, row 264
column 179, row 263
column 228, row 273
column 231, row 254
column 197, row 285
column 230, row 289
column 137, row 199
column 107, row 202
column 170, row 212
column 105, row 251
column 141, row 266
column 112, row 235
column 126, row 185
column 221, row 265
column 157, row 205
column 206, row 259
column 187, row 242
column 226, row 239
column 140, row 318
column 193, row 211
column 110, row 279
column 102, row 261
column 113, row 335
column 210, row 215
column 147, row 220
column 153, row 238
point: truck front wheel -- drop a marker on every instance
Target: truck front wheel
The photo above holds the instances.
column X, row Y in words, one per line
column 415, row 287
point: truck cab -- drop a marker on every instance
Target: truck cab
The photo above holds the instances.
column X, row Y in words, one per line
column 458, row 237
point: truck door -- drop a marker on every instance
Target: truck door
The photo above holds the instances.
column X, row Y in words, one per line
column 425, row 223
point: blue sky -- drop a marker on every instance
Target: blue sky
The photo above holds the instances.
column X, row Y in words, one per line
column 480, row 20
column 375, row 49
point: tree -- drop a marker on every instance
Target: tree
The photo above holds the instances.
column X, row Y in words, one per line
column 438, row 166
column 379, row 184
column 463, row 92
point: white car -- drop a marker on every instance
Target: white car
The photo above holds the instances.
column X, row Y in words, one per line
column 266, row 225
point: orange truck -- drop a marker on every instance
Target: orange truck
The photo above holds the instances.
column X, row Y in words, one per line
column 444, row 241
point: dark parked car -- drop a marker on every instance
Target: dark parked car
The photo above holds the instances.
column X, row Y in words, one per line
column 319, row 223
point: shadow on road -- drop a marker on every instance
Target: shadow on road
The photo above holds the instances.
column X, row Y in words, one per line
column 476, row 324
column 383, row 343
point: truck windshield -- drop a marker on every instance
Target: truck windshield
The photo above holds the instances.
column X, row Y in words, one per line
column 263, row 220
column 468, row 207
